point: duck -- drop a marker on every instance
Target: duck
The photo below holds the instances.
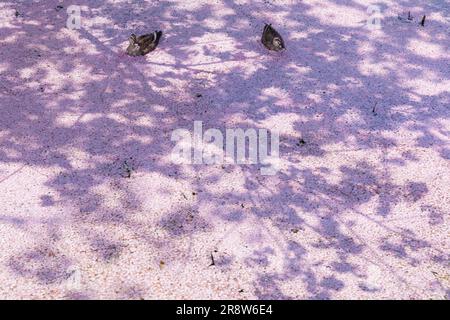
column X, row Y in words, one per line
column 140, row 46
column 271, row 39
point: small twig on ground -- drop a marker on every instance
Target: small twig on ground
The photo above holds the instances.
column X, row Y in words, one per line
column 422, row 23
column 409, row 16
column 213, row 263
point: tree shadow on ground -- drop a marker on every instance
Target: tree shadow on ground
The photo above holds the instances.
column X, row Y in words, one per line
column 97, row 124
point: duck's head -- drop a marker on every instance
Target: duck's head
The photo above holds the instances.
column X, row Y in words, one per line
column 133, row 46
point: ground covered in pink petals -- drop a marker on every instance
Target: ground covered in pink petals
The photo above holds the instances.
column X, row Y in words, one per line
column 359, row 208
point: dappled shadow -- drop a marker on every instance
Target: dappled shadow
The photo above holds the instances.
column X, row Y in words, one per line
column 88, row 131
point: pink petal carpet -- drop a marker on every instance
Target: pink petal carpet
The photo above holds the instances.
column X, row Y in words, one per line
column 358, row 210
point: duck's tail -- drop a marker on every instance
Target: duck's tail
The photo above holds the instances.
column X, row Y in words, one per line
column 157, row 35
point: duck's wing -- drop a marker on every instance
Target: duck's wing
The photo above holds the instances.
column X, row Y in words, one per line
column 151, row 42
column 274, row 33
column 150, row 38
column 146, row 38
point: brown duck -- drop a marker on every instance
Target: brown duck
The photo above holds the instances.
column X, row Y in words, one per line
column 271, row 39
column 140, row 46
